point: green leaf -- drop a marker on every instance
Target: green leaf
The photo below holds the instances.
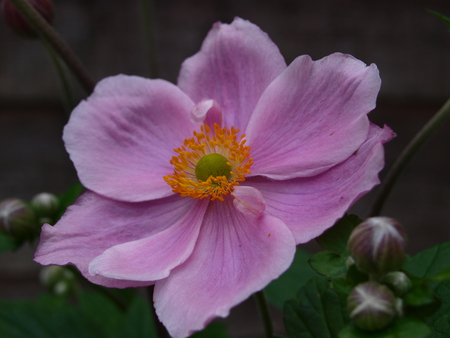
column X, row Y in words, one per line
column 317, row 311
column 104, row 315
column 328, row 264
column 139, row 321
column 287, row 285
column 354, row 276
column 47, row 317
column 402, row 327
column 216, row 330
column 430, row 262
column 335, row 239
column 7, row 243
column 440, row 321
column 95, row 317
column 420, row 301
column 419, row 295
column 442, row 275
column 342, row 287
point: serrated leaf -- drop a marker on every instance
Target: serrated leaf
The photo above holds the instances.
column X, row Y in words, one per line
column 427, row 264
column 328, row 264
column 430, row 262
column 216, row 330
column 402, row 327
column 440, row 321
column 335, row 239
column 287, row 285
column 316, row 311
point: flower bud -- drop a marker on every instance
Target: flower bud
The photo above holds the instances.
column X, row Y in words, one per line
column 17, row 218
column 45, row 204
column 19, row 24
column 372, row 306
column 377, row 245
column 398, row 282
column 58, row 279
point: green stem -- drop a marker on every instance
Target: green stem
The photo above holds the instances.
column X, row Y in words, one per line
column 265, row 314
column 49, row 34
column 148, row 22
column 69, row 102
column 407, row 154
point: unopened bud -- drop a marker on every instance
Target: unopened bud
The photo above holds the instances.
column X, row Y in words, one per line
column 19, row 24
column 372, row 306
column 398, row 282
column 17, row 218
column 45, row 204
column 58, row 279
column 378, row 245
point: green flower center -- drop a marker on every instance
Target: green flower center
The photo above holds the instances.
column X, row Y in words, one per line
column 212, row 165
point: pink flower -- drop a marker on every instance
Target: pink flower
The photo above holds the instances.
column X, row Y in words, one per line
column 209, row 235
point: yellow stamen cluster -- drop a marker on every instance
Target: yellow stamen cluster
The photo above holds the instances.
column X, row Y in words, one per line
column 221, row 141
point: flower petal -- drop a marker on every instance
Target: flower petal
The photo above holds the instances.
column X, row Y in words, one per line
column 236, row 255
column 311, row 205
column 152, row 258
column 248, row 200
column 234, row 66
column 208, row 112
column 94, row 224
column 312, row 116
column 122, row 138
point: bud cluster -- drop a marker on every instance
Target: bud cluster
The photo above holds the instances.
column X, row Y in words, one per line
column 58, row 279
column 371, row 306
column 22, row 220
column 17, row 219
column 46, row 207
column 377, row 248
column 378, row 245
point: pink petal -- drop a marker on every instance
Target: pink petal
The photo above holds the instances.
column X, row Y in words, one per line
column 234, row 66
column 122, row 138
column 312, row 116
column 236, row 255
column 152, row 258
column 208, row 112
column 94, row 224
column 311, row 205
column 248, row 200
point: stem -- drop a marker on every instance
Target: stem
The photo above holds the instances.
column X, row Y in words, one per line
column 49, row 34
column 148, row 22
column 160, row 329
column 407, row 154
column 265, row 314
column 64, row 82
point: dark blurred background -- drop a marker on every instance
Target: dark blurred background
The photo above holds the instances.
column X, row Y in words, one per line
column 410, row 46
